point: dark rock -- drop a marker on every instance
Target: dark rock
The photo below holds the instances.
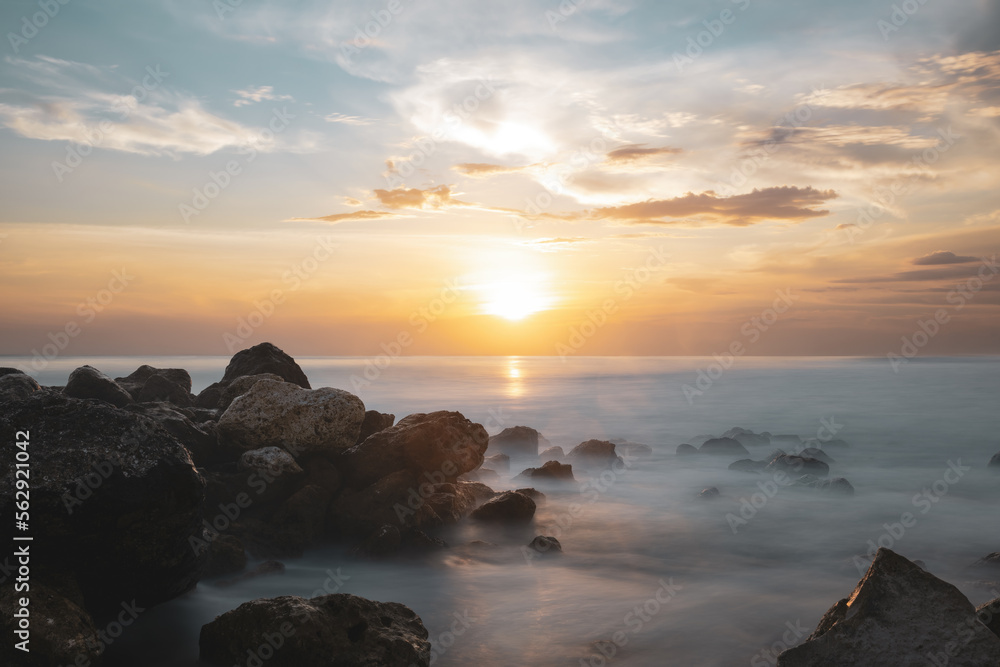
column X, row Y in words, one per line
column 798, row 465
column 161, row 388
column 443, row 444
column 304, row 422
column 326, row 631
column 7, row 370
column 988, row 562
column 115, row 499
column 373, row 423
column 484, row 475
column 299, row 523
column 897, row 615
column 686, row 450
column 202, row 444
column 989, row 615
column 748, row 465
column 61, row 632
column 134, row 383
column 724, row 447
column 226, row 555
column 550, row 470
column 709, row 493
column 210, row 396
column 277, row 471
column 508, row 506
column 16, row 386
column 265, row 358
column 240, row 386
column 818, row 454
column 545, row 545
column 594, row 454
column 384, row 541
column 498, row 462
column 88, row 382
column 518, row 441
column 534, row 494
column 995, row 462
column 746, row 437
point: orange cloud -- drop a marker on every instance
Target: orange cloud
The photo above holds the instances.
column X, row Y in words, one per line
column 634, row 152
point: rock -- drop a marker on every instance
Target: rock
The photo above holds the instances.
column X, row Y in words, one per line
column 748, row 465
column 373, row 423
column 897, row 615
column 746, row 437
column 550, row 470
column 226, row 555
column 266, row 568
column 545, row 545
column 686, row 450
column 210, row 396
column 798, row 465
column 818, row 454
column 709, row 493
column 274, row 462
column 994, row 462
column 16, row 386
column 550, row 454
column 299, row 522
column 484, row 475
column 518, row 441
column 304, row 422
column 385, row 541
column 443, row 444
column 989, row 615
column 988, row 562
column 240, row 386
column 534, row 494
column 723, row 447
column 88, row 382
column 594, row 454
column 160, row 388
column 265, row 358
column 61, row 632
column 201, row 442
column 323, row 631
column 115, row 499
column 135, row 382
column 508, row 506
column 498, row 462
column 7, row 370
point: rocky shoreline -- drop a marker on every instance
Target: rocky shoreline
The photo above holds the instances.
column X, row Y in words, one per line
column 140, row 489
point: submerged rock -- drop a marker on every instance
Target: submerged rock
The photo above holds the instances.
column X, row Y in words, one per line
column 88, row 382
column 709, row 493
column 800, row 465
column 686, row 450
column 898, row 615
column 748, row 465
column 304, row 422
column 508, row 506
column 550, row 470
column 545, row 545
column 518, row 441
column 594, row 454
column 498, row 462
column 724, row 447
column 322, row 631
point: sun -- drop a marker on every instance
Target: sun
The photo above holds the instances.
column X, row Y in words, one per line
column 514, row 299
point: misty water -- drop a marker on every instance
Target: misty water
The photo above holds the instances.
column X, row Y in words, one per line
column 735, row 589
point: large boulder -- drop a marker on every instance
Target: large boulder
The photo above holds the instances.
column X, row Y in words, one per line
column 265, row 358
column 61, row 632
column 550, row 470
column 134, row 382
column 161, row 388
column 898, row 615
column 88, row 382
column 199, row 439
column 497, row 462
column 240, row 386
column 115, row 499
column 798, row 465
column 724, row 447
column 323, row 631
column 374, row 422
column 443, row 444
column 16, row 386
column 685, row 449
column 594, row 454
column 518, row 441
column 304, row 422
column 989, row 615
column 510, row 506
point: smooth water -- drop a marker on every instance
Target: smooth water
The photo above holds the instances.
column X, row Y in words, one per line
column 671, row 578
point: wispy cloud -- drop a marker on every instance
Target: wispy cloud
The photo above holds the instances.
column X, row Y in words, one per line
column 259, row 94
column 943, row 257
column 347, row 120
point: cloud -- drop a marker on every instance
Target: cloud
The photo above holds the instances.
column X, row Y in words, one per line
column 259, row 94
column 353, row 215
column 480, row 169
column 347, row 120
column 947, row 273
column 434, row 198
column 775, row 203
column 943, row 257
column 636, row 152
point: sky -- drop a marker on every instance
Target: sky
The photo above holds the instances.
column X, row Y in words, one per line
column 585, row 177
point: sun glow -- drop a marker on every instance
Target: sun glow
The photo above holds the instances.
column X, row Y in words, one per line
column 514, row 298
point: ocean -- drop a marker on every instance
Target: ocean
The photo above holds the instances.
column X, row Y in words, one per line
column 650, row 573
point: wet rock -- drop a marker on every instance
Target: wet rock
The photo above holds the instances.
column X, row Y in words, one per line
column 549, row 471
column 442, row 444
column 799, row 465
column 115, row 499
column 594, row 454
column 897, row 615
column 989, row 615
column 88, row 382
column 61, row 632
column 818, row 454
column 686, row 450
column 240, row 386
column 748, row 465
column 545, row 545
column 509, row 506
column 16, row 386
column 304, row 422
column 534, row 494
column 518, row 441
column 278, row 473
column 709, row 493
column 226, row 555
column 322, row 631
column 723, row 447
column 498, row 462
column 373, row 423
column 264, row 358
